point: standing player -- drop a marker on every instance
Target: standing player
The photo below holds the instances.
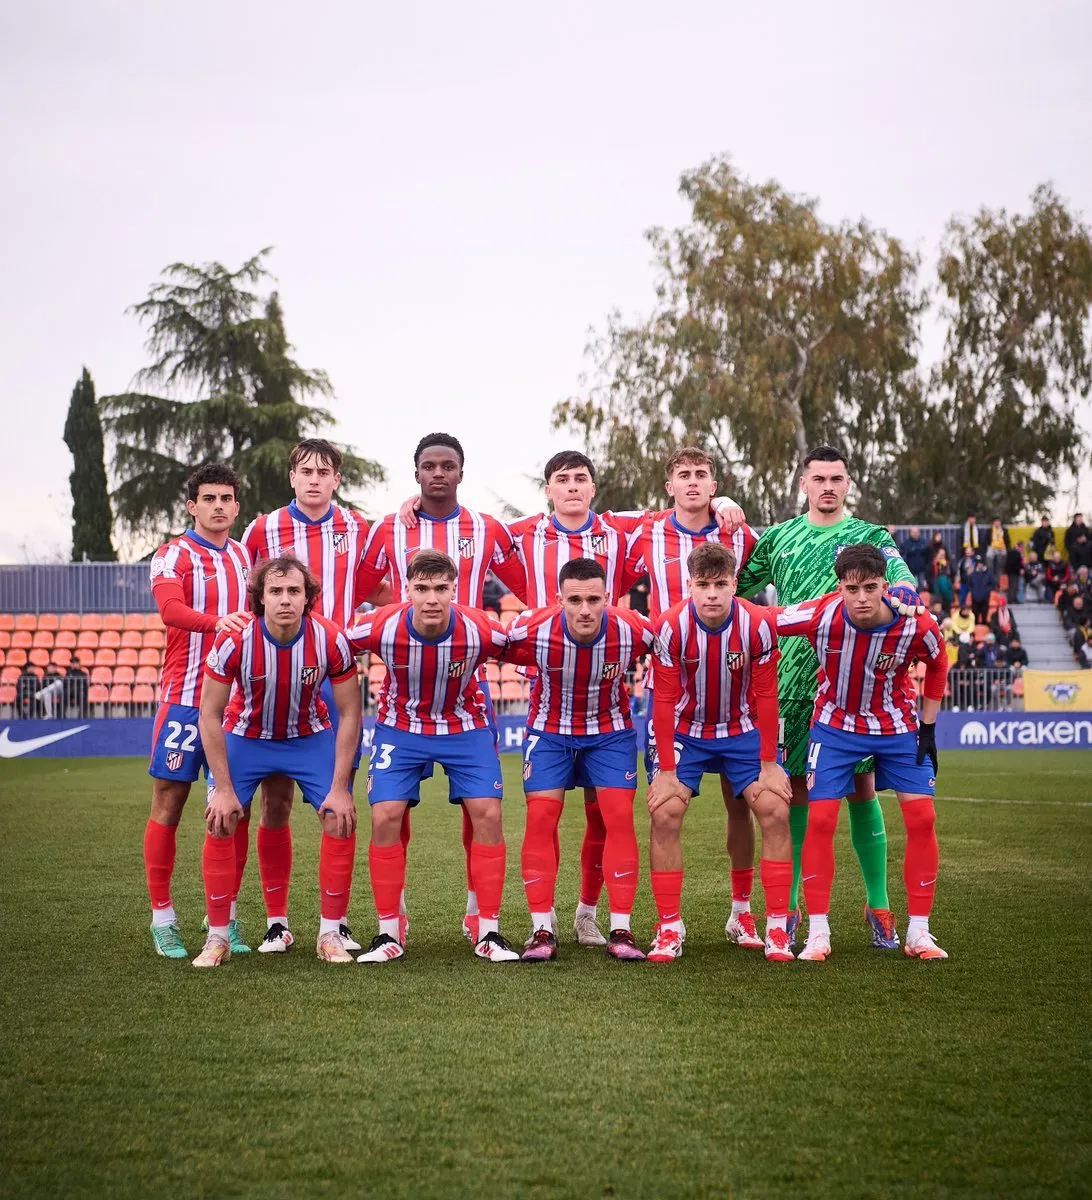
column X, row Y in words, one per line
column 661, row 548
column 797, row 557
column 716, row 710
column 579, row 733
column 431, row 710
column 199, row 586
column 866, row 706
column 475, row 542
column 262, row 714
column 329, row 540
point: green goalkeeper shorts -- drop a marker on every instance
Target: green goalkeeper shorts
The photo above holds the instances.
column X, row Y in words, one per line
column 792, row 738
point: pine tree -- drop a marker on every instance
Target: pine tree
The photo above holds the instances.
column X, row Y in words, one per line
column 91, row 516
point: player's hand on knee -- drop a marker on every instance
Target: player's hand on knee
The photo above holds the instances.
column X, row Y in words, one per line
column 772, row 778
column 664, row 788
column 339, row 811
column 904, row 600
column 222, row 812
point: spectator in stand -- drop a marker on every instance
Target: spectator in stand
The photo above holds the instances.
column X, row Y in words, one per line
column 1003, row 624
column 982, row 582
column 938, row 578
column 1034, row 583
column 915, row 553
column 940, row 613
column 1080, row 553
column 963, row 621
column 966, row 570
column 1076, row 527
column 986, row 654
column 1073, row 608
column 1081, row 642
column 973, row 536
column 1083, row 580
column 1015, row 655
column 936, row 542
column 492, row 591
column 1042, row 540
column 51, row 691
column 997, row 547
column 1055, row 574
column 1014, row 570
column 951, row 641
column 26, row 693
column 965, row 657
column 75, row 691
column 638, row 596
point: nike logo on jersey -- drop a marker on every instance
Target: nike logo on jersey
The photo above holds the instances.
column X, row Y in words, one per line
column 10, row 749
column 785, row 553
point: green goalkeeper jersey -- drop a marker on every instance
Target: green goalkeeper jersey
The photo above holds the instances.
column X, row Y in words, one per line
column 797, row 557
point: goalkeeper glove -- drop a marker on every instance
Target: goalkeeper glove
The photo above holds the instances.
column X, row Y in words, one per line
column 927, row 744
column 904, row 600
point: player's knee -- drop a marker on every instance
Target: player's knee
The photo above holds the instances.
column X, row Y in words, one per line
column 168, row 801
column 667, row 819
column 823, row 817
column 386, row 822
column 919, row 814
column 771, row 812
column 276, row 802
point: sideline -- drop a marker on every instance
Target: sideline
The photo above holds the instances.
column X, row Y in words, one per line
column 1001, row 800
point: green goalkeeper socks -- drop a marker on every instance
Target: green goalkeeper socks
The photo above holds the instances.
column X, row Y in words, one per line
column 798, row 824
column 869, row 837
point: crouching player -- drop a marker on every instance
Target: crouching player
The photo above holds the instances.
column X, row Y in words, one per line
column 262, row 715
column 432, row 712
column 715, row 711
column 865, row 705
column 579, row 734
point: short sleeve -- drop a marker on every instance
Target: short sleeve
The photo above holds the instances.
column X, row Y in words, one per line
column 168, row 562
column 341, row 659
column 222, row 661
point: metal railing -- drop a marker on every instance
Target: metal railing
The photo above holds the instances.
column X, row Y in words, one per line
column 75, row 587
column 972, row 689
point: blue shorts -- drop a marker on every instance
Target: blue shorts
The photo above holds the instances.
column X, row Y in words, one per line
column 400, row 760
column 177, row 752
column 833, row 753
column 308, row 761
column 559, row 760
column 736, row 758
column 326, row 691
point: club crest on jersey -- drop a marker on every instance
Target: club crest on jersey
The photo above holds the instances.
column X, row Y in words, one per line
column 173, row 760
column 733, row 660
column 456, row 667
column 466, row 547
column 884, row 662
column 598, row 543
column 610, row 670
column 340, row 542
column 308, row 675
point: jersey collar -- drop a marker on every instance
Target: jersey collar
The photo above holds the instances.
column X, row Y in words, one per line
column 283, row 645
column 584, row 645
column 424, row 516
column 693, row 532
column 424, row 640
column 298, row 515
column 196, row 537
column 564, row 529
column 709, row 628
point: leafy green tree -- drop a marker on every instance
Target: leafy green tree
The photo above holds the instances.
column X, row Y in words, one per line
column 773, row 330
column 234, row 394
column 1000, row 420
column 91, row 516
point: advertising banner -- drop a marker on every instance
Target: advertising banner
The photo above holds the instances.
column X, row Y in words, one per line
column 1057, row 691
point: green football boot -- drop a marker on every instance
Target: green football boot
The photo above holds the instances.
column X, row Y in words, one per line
column 235, row 935
column 168, row 941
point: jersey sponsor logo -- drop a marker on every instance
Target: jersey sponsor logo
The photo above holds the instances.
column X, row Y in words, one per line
column 10, row 749
column 610, row 670
column 467, row 548
column 308, row 675
column 340, row 542
column 173, row 760
column 733, row 659
column 884, row 662
column 456, row 667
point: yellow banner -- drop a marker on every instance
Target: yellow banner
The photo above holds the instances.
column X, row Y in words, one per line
column 1053, row 691
column 1022, row 533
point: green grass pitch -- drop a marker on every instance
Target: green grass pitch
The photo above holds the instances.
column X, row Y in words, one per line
column 722, row 1075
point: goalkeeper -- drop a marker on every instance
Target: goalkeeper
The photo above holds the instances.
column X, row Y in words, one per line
column 797, row 557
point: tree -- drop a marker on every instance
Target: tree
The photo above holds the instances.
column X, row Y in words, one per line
column 236, row 395
column 91, row 516
column 1000, row 420
column 773, row 330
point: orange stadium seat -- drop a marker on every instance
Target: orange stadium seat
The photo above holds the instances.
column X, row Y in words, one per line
column 65, row 639
column 980, row 632
column 43, row 639
column 9, row 674
column 124, row 675
column 494, row 692
column 114, row 621
column 154, row 639
column 106, row 658
column 509, row 673
column 133, row 638
column 49, row 621
column 62, row 657
column 5, row 639
column 2, row 654
column 143, row 694
column 128, row 658
column 134, row 621
column 26, row 621
column 85, row 657
column 39, row 657
column 7, row 622
column 511, row 691
column 7, row 693
column 103, row 675
column 97, row 694
column 1018, row 686
column 22, row 639
column 492, row 671
column 148, row 675
column 510, row 602
column 148, row 658
column 153, row 620
column 110, row 638
column 88, row 640
column 16, row 657
column 70, row 621
column 91, row 621
column 121, row 693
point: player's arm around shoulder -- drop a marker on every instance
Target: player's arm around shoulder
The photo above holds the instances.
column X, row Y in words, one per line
column 519, row 637
column 757, row 571
column 223, row 810
column 801, row 619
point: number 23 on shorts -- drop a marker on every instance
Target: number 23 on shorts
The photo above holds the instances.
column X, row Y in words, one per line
column 381, row 756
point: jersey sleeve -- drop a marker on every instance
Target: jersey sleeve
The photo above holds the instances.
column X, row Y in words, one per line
column 339, row 656
column 757, row 572
column 168, row 563
column 626, row 523
column 363, row 636
column 222, row 661
column 897, row 570
column 801, row 620
column 665, row 695
column 506, row 562
column 373, row 564
column 645, row 640
column 929, row 646
column 254, row 539
column 764, row 639
column 519, row 643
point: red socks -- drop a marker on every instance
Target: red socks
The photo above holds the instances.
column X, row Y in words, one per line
column 742, row 882
column 817, row 855
column 538, row 858
column 666, row 894
column 468, row 840
column 274, row 867
column 919, row 868
column 335, row 872
column 776, row 880
column 218, row 870
column 159, row 848
column 591, row 854
column 242, row 851
column 487, row 872
column 387, row 868
column 620, row 859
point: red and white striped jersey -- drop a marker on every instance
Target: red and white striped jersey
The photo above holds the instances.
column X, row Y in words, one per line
column 579, row 689
column 275, row 686
column 545, row 547
column 213, row 582
column 661, row 547
column 431, row 685
column 477, row 543
column 715, row 667
column 863, row 677
column 332, row 549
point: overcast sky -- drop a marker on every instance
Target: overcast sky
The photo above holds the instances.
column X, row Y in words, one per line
column 456, row 193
